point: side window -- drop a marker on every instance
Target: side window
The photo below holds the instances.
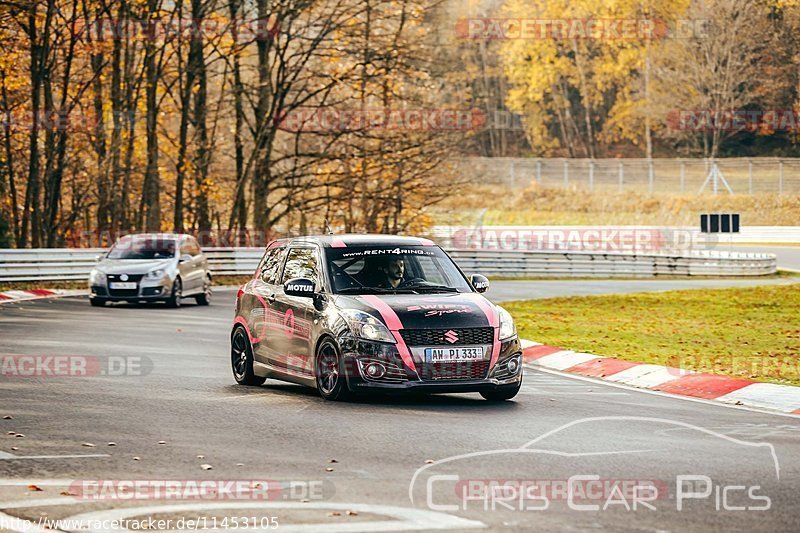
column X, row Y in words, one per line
column 431, row 271
column 301, row 263
column 185, row 248
column 194, row 248
column 272, row 265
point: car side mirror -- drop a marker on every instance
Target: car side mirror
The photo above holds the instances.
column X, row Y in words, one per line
column 98, row 258
column 481, row 283
column 185, row 258
column 299, row 287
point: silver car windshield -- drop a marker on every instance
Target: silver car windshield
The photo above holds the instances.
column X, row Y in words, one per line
column 143, row 248
column 377, row 269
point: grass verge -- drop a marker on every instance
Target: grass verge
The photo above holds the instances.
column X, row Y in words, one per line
column 749, row 332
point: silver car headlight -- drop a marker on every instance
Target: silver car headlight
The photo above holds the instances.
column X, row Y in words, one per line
column 155, row 274
column 366, row 326
column 507, row 327
column 97, row 277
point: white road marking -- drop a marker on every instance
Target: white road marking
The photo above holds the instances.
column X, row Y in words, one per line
column 766, row 395
column 565, row 359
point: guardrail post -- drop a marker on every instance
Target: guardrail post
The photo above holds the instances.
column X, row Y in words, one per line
column 621, row 176
column 591, row 175
column 566, row 173
column 650, row 177
column 683, row 175
column 750, row 176
column 538, row 170
column 780, row 177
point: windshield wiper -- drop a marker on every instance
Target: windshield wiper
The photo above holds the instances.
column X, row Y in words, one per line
column 379, row 290
column 442, row 288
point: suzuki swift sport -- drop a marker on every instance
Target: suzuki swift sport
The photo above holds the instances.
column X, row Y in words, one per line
column 352, row 313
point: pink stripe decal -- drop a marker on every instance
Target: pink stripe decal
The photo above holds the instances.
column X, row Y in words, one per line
column 4, row 297
column 426, row 242
column 338, row 243
column 394, row 325
column 493, row 319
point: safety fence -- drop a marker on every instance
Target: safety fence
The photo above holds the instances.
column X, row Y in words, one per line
column 672, row 176
column 62, row 264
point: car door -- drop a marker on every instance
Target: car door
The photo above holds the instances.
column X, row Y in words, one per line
column 187, row 268
column 199, row 264
column 264, row 321
column 296, row 312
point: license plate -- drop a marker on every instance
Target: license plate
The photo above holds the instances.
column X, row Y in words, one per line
column 122, row 285
column 472, row 353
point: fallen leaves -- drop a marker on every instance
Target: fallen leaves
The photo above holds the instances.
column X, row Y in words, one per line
column 88, row 445
column 35, row 488
column 206, row 466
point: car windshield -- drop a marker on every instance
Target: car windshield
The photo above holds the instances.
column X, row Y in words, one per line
column 143, row 248
column 403, row 269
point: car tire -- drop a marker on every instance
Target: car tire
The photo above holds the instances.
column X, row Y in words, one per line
column 205, row 298
column 97, row 302
column 329, row 372
column 503, row 393
column 242, row 359
column 174, row 300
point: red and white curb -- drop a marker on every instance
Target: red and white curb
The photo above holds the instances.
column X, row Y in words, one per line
column 16, row 296
column 736, row 391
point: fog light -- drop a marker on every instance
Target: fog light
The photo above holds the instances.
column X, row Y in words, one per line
column 375, row 370
column 513, row 366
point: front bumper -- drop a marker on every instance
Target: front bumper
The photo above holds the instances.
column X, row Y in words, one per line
column 398, row 378
column 147, row 290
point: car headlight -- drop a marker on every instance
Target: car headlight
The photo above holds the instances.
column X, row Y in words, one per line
column 155, row 274
column 366, row 326
column 97, row 277
column 507, row 327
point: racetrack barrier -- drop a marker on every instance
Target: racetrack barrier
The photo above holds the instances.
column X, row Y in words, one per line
column 64, row 264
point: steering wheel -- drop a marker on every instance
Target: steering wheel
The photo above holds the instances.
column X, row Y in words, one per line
column 412, row 281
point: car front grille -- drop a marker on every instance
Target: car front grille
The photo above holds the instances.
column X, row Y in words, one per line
column 124, row 293
column 444, row 371
column 443, row 337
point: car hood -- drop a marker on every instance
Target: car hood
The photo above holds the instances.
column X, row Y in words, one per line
column 132, row 266
column 425, row 311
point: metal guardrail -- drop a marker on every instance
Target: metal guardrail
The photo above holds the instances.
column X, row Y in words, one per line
column 616, row 264
column 62, row 264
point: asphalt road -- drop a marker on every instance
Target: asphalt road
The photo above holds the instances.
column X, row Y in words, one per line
column 179, row 390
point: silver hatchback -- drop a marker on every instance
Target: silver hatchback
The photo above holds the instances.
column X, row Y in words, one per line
column 151, row 267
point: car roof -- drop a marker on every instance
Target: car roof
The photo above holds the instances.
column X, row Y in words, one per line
column 164, row 236
column 355, row 239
